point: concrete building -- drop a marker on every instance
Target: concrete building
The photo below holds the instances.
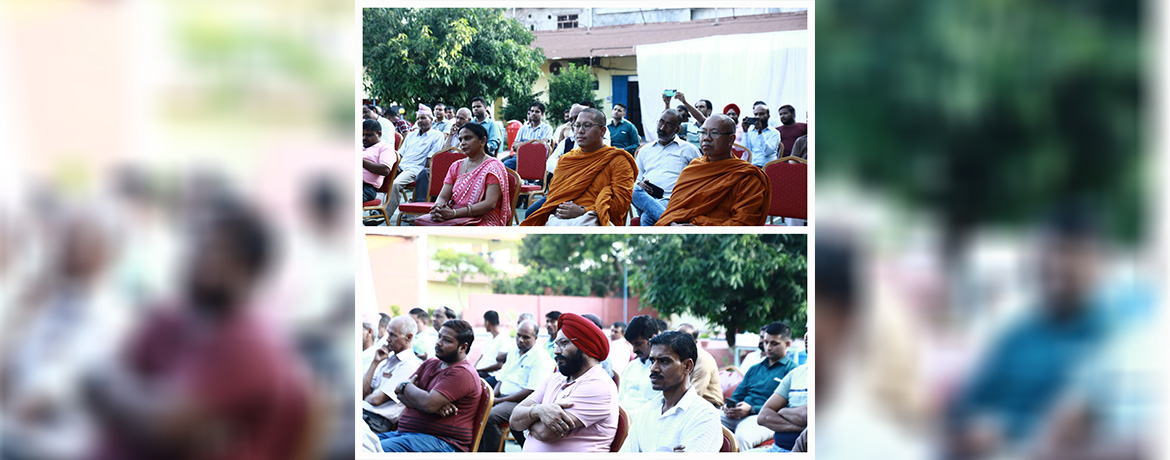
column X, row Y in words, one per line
column 607, row 45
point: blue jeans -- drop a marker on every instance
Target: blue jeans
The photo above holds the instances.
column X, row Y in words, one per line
column 394, row 441
column 652, row 208
column 511, row 162
column 535, row 206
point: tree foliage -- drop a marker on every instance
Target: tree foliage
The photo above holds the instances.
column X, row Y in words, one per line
column 427, row 55
column 460, row 266
column 740, row 282
column 576, row 265
column 986, row 112
column 573, row 85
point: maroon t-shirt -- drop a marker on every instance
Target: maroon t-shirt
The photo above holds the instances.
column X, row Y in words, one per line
column 458, row 383
column 789, row 134
column 240, row 372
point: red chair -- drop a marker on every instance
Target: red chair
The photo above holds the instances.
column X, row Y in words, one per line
column 789, row 182
column 514, row 186
column 481, row 415
column 377, row 206
column 730, row 444
column 623, row 429
column 740, row 151
column 398, row 140
column 440, row 163
column 530, row 163
column 513, row 129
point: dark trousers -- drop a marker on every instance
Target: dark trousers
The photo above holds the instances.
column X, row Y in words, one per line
column 491, row 381
column 421, row 183
column 369, row 192
column 378, row 423
column 490, row 442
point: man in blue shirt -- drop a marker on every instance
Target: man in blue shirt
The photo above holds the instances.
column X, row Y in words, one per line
column 535, row 129
column 763, row 141
column 1028, row 368
column 479, row 110
column 741, row 410
column 622, row 133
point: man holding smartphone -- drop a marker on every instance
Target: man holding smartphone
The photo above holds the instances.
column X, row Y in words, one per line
column 764, row 142
column 659, row 165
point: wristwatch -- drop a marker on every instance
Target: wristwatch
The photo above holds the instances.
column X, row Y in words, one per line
column 402, row 387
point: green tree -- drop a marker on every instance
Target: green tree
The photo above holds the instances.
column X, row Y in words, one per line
column 573, row 85
column 988, row 112
column 517, row 107
column 740, row 282
column 578, row 265
column 461, row 266
column 424, row 55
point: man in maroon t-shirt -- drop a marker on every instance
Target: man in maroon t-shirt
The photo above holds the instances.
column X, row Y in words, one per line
column 441, row 400
column 208, row 379
column 789, row 129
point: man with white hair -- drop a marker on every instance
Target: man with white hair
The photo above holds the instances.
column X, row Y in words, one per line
column 393, row 364
column 417, row 149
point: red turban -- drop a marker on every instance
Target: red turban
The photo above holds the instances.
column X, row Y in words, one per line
column 585, row 335
column 732, row 106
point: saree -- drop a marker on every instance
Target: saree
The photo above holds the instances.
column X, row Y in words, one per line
column 470, row 188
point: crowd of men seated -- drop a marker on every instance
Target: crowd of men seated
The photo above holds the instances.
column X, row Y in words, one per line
column 597, row 169
column 640, row 388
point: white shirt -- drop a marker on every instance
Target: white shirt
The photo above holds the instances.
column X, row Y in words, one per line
column 692, row 423
column 750, row 360
column 661, row 164
column 619, row 354
column 400, row 366
column 501, row 343
column 636, row 390
column 416, row 148
column 524, row 371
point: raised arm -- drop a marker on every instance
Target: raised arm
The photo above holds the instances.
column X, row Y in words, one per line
column 699, row 118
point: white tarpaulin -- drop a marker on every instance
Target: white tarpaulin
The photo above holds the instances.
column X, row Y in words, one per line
column 741, row 69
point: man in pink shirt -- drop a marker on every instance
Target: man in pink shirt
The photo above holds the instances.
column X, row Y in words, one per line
column 575, row 410
column 378, row 159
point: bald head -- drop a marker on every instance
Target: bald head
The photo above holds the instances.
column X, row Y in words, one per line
column 575, row 110
column 526, row 334
column 716, row 144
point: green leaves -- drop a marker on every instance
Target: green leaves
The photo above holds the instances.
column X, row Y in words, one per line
column 573, row 85
column 741, row 282
column 449, row 55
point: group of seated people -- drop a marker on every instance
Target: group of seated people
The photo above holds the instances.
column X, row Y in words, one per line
column 595, row 169
column 568, row 393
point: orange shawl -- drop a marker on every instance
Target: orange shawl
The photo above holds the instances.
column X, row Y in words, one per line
column 724, row 192
column 602, row 181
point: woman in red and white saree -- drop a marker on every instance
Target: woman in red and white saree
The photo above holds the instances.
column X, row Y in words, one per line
column 475, row 190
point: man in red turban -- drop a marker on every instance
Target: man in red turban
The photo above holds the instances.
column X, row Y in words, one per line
column 575, row 410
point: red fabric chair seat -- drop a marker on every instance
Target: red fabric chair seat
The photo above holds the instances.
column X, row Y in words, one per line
column 636, row 221
column 373, row 202
column 416, row 208
column 530, row 188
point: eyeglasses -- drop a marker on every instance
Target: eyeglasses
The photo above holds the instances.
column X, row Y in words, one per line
column 585, row 126
column 708, row 133
column 562, row 344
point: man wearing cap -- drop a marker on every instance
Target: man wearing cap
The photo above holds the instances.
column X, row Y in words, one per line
column 575, row 410
column 416, row 152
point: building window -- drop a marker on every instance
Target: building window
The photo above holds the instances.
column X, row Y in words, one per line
column 568, row 21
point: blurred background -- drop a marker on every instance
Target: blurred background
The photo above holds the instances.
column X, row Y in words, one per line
column 987, row 254
column 139, row 139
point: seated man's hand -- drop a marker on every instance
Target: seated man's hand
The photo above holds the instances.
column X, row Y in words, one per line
column 448, row 410
column 644, row 186
column 740, row 410
column 554, row 417
column 569, row 210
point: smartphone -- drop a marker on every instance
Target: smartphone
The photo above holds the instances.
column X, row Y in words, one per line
column 655, row 191
column 751, row 120
column 669, row 92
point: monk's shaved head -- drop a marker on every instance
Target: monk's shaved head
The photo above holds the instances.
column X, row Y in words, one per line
column 723, row 122
column 595, row 115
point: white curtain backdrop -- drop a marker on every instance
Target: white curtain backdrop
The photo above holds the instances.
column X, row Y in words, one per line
column 741, row 69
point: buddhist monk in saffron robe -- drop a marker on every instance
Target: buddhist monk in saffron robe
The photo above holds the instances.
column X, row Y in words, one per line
column 718, row 188
column 594, row 182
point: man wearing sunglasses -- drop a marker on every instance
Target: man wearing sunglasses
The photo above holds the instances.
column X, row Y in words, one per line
column 718, row 188
column 594, row 182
